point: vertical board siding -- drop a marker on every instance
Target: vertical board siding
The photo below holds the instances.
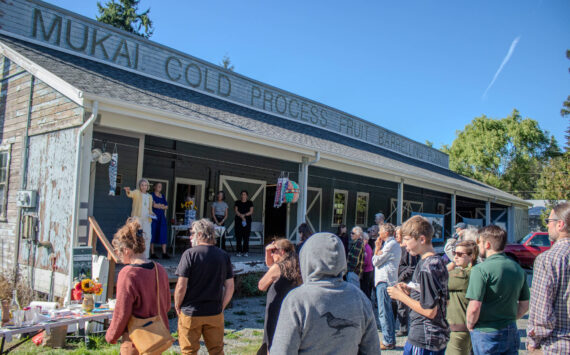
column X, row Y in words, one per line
column 168, row 159
column 380, row 193
column 52, row 158
column 111, row 212
column 51, row 164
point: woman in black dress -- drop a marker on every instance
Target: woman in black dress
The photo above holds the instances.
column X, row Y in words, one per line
column 243, row 209
column 283, row 276
column 341, row 233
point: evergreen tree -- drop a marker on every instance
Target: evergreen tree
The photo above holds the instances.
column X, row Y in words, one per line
column 124, row 15
column 227, row 63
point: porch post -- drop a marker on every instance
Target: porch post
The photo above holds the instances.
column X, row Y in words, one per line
column 453, row 211
column 140, row 159
column 302, row 202
column 488, row 213
column 84, row 189
column 400, row 208
column 511, row 224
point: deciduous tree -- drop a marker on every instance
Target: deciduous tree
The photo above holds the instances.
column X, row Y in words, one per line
column 507, row 153
column 554, row 181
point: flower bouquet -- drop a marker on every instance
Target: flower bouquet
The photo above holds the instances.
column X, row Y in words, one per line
column 189, row 211
column 86, row 288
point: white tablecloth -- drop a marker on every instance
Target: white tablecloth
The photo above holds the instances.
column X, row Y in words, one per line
column 8, row 333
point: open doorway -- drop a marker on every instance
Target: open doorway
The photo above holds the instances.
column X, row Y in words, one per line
column 275, row 218
column 188, row 190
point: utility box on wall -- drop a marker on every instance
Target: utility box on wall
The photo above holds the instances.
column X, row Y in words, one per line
column 26, row 198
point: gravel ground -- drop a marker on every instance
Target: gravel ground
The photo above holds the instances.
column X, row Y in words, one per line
column 244, row 329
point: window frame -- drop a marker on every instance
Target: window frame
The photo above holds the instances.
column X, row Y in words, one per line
column 345, row 193
column 539, row 241
column 358, row 195
column 6, row 148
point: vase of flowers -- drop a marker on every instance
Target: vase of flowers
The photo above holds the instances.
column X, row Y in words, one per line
column 189, row 211
column 87, row 288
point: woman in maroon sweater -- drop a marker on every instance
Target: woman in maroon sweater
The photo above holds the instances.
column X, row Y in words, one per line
column 136, row 285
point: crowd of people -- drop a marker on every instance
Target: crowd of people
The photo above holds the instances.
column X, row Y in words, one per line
column 320, row 292
column 150, row 209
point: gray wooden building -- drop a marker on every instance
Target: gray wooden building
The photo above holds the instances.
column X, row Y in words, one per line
column 70, row 85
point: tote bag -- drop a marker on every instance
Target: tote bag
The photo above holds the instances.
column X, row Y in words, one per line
column 150, row 335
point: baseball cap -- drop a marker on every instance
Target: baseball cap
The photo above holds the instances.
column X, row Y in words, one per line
column 460, row 225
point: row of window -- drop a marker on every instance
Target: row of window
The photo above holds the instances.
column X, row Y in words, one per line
column 340, row 206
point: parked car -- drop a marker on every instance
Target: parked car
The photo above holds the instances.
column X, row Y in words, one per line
column 525, row 251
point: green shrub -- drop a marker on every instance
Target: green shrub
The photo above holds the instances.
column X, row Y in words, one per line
column 246, row 285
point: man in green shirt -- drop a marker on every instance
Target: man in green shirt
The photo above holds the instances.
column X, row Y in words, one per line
column 498, row 295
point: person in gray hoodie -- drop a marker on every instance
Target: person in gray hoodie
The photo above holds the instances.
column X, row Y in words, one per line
column 325, row 315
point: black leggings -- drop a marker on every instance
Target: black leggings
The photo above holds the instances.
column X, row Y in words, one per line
column 242, row 235
column 366, row 283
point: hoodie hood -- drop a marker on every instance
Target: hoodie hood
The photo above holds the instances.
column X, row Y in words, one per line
column 322, row 257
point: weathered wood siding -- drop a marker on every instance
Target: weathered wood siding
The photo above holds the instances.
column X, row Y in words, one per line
column 51, row 165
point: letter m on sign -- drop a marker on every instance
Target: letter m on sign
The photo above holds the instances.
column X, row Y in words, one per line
column 56, row 23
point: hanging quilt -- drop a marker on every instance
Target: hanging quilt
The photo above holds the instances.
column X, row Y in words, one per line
column 280, row 191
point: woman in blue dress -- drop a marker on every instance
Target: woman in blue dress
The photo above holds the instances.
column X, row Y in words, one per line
column 159, row 225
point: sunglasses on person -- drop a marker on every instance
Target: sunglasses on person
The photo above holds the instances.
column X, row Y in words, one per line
column 274, row 251
column 461, row 254
column 548, row 220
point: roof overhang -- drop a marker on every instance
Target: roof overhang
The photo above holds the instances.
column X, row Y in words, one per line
column 143, row 119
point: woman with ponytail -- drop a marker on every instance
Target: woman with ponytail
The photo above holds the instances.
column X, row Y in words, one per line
column 136, row 285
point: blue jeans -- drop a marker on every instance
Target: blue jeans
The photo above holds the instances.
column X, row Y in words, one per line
column 385, row 314
column 504, row 341
column 410, row 349
column 353, row 279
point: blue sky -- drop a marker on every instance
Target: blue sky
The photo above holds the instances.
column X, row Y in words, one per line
column 420, row 68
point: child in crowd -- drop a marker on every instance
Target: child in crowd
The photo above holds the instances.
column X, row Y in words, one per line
column 426, row 294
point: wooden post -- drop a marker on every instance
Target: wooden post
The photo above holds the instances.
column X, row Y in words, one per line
column 95, row 233
column 111, row 277
column 92, row 240
column 400, row 205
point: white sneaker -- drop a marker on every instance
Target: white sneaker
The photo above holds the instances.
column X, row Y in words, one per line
column 238, row 255
column 245, row 255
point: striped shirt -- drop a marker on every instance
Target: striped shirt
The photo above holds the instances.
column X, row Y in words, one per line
column 549, row 314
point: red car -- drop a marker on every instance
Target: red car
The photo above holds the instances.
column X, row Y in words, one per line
column 528, row 248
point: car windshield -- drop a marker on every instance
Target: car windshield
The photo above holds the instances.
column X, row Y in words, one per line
column 526, row 237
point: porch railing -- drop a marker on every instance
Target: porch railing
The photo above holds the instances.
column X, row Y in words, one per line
column 96, row 234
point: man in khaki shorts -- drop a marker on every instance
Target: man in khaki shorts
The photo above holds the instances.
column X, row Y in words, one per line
column 205, row 287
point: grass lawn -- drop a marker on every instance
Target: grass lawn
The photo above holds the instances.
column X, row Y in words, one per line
column 245, row 341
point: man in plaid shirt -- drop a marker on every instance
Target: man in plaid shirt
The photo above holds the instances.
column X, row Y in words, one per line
column 549, row 315
column 355, row 259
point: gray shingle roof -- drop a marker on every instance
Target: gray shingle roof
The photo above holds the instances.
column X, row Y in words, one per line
column 107, row 81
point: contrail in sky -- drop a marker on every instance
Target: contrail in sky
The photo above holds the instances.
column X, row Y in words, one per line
column 505, row 60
